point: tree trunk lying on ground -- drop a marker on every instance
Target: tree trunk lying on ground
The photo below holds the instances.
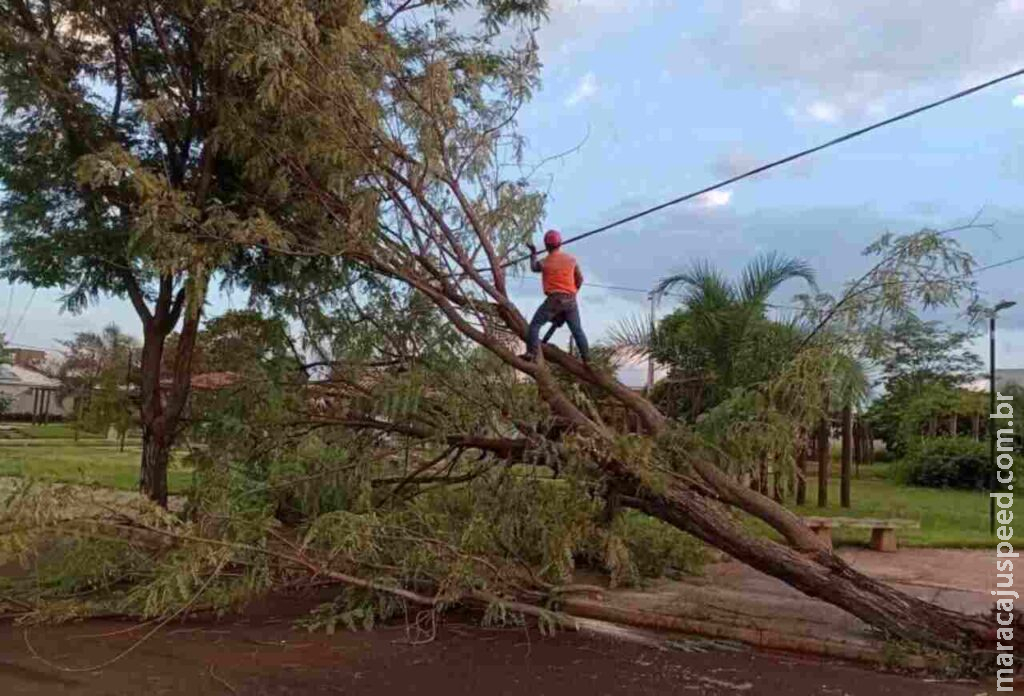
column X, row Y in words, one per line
column 695, row 504
column 449, row 225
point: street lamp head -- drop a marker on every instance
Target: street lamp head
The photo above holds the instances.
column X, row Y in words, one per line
column 1005, row 304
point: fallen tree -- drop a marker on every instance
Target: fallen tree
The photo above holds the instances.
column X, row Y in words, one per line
column 380, row 135
column 428, row 114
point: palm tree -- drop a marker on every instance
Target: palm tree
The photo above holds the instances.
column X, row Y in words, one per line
column 848, row 389
column 710, row 343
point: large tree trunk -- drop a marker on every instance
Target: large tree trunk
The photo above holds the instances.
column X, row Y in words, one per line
column 818, row 573
column 846, row 458
column 156, row 455
column 161, row 410
column 155, row 443
column 858, row 446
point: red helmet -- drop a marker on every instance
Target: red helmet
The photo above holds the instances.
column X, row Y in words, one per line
column 552, row 239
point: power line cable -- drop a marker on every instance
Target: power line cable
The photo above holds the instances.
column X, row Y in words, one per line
column 999, row 264
column 10, row 303
column 779, row 162
column 14, row 331
column 623, row 288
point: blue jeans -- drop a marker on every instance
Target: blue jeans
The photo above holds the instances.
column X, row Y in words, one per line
column 559, row 308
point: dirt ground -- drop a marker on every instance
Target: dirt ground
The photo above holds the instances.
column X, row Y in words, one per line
column 262, row 653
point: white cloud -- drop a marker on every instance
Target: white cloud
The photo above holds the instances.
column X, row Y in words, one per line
column 824, row 111
column 1018, row 101
column 855, row 55
column 715, row 199
column 575, row 27
column 557, row 6
column 585, row 89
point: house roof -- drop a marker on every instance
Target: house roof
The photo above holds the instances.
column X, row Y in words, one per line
column 1003, row 378
column 213, row 380
column 23, row 377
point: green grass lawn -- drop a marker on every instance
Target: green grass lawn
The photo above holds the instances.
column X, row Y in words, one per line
column 50, row 431
column 949, row 518
column 102, row 464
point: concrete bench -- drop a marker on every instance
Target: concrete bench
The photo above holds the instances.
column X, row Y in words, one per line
column 883, row 532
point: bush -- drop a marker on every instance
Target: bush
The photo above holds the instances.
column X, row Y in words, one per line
column 946, row 462
column 659, row 549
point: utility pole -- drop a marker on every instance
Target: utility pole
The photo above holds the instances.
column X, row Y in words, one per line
column 992, row 406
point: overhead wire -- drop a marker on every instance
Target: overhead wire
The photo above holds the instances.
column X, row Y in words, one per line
column 14, row 331
column 10, row 304
column 784, row 160
column 999, row 264
column 624, row 288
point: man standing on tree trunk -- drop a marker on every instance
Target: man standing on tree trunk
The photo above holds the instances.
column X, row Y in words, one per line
column 562, row 279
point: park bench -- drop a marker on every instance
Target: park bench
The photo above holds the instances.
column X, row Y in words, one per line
column 883, row 531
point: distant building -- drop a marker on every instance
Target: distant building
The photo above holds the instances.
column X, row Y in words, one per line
column 31, row 358
column 29, row 393
column 1003, row 379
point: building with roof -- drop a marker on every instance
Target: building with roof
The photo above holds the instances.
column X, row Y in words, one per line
column 29, row 393
column 1004, row 378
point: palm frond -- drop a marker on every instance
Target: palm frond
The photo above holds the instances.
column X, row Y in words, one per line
column 763, row 275
column 705, row 286
column 852, row 385
column 632, row 337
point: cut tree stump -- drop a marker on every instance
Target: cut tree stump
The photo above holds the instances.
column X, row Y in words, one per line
column 883, row 532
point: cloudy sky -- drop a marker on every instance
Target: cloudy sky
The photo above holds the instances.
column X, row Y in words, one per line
column 668, row 97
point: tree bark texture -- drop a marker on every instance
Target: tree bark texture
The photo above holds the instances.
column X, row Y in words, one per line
column 161, row 408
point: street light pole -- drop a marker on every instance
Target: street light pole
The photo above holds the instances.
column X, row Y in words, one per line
column 992, row 409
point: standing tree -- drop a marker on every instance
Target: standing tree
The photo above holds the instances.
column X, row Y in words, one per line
column 96, row 373
column 112, row 178
column 923, row 365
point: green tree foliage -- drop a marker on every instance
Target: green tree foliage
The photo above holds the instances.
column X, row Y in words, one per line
column 721, row 337
column 923, row 366
column 240, row 340
column 117, row 117
column 100, row 373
